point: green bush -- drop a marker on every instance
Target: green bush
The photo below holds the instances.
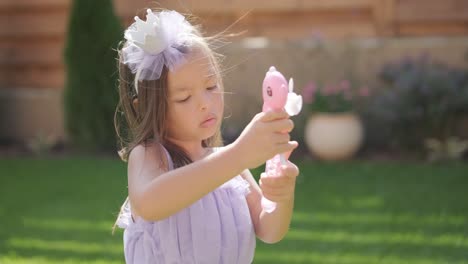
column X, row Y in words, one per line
column 422, row 100
column 90, row 96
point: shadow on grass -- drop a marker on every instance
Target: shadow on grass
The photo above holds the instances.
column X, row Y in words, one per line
column 62, row 212
column 376, row 213
column 55, row 239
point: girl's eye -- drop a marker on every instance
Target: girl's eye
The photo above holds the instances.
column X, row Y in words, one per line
column 183, row 100
column 212, row 88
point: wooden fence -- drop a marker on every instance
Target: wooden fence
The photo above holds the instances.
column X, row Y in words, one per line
column 32, row 33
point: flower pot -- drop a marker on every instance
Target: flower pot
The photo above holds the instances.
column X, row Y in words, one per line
column 333, row 136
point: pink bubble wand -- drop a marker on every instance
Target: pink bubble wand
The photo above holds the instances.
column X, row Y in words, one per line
column 277, row 95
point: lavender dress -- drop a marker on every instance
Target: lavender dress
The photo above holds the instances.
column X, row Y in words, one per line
column 215, row 229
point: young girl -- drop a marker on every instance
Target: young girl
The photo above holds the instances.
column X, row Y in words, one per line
column 189, row 199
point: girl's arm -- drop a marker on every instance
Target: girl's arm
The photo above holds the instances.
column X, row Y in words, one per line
column 156, row 194
column 271, row 227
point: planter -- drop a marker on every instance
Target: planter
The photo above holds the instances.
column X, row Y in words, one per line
column 333, row 136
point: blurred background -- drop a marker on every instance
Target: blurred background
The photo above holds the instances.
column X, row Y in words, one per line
column 372, row 46
column 383, row 132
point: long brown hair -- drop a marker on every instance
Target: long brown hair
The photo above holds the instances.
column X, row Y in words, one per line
column 145, row 122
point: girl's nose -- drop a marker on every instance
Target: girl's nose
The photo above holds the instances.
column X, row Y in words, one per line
column 204, row 101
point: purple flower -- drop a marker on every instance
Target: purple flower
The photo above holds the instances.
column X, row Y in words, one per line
column 309, row 91
column 330, row 89
column 345, row 85
column 364, row 91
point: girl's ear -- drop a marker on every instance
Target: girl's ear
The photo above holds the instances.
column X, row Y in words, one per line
column 135, row 103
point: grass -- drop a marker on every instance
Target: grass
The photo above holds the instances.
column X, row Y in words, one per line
column 62, row 210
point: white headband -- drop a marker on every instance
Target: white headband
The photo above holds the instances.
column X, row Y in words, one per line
column 161, row 40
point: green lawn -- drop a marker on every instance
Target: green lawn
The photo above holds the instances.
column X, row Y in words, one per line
column 62, row 211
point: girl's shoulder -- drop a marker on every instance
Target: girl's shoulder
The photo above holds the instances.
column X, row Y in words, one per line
column 149, row 154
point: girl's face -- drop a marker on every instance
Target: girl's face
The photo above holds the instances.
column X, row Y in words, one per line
column 195, row 100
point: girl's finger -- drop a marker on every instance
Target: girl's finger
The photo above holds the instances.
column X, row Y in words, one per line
column 275, row 182
column 287, row 154
column 290, row 170
column 286, row 147
column 282, row 126
column 281, row 138
column 272, row 191
column 278, row 198
column 287, row 189
column 273, row 115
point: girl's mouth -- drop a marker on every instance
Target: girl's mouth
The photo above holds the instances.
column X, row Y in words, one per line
column 209, row 122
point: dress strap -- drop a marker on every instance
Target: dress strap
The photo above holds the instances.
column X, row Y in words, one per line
column 125, row 217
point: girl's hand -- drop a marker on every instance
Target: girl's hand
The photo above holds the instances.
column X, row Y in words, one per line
column 265, row 136
column 280, row 188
